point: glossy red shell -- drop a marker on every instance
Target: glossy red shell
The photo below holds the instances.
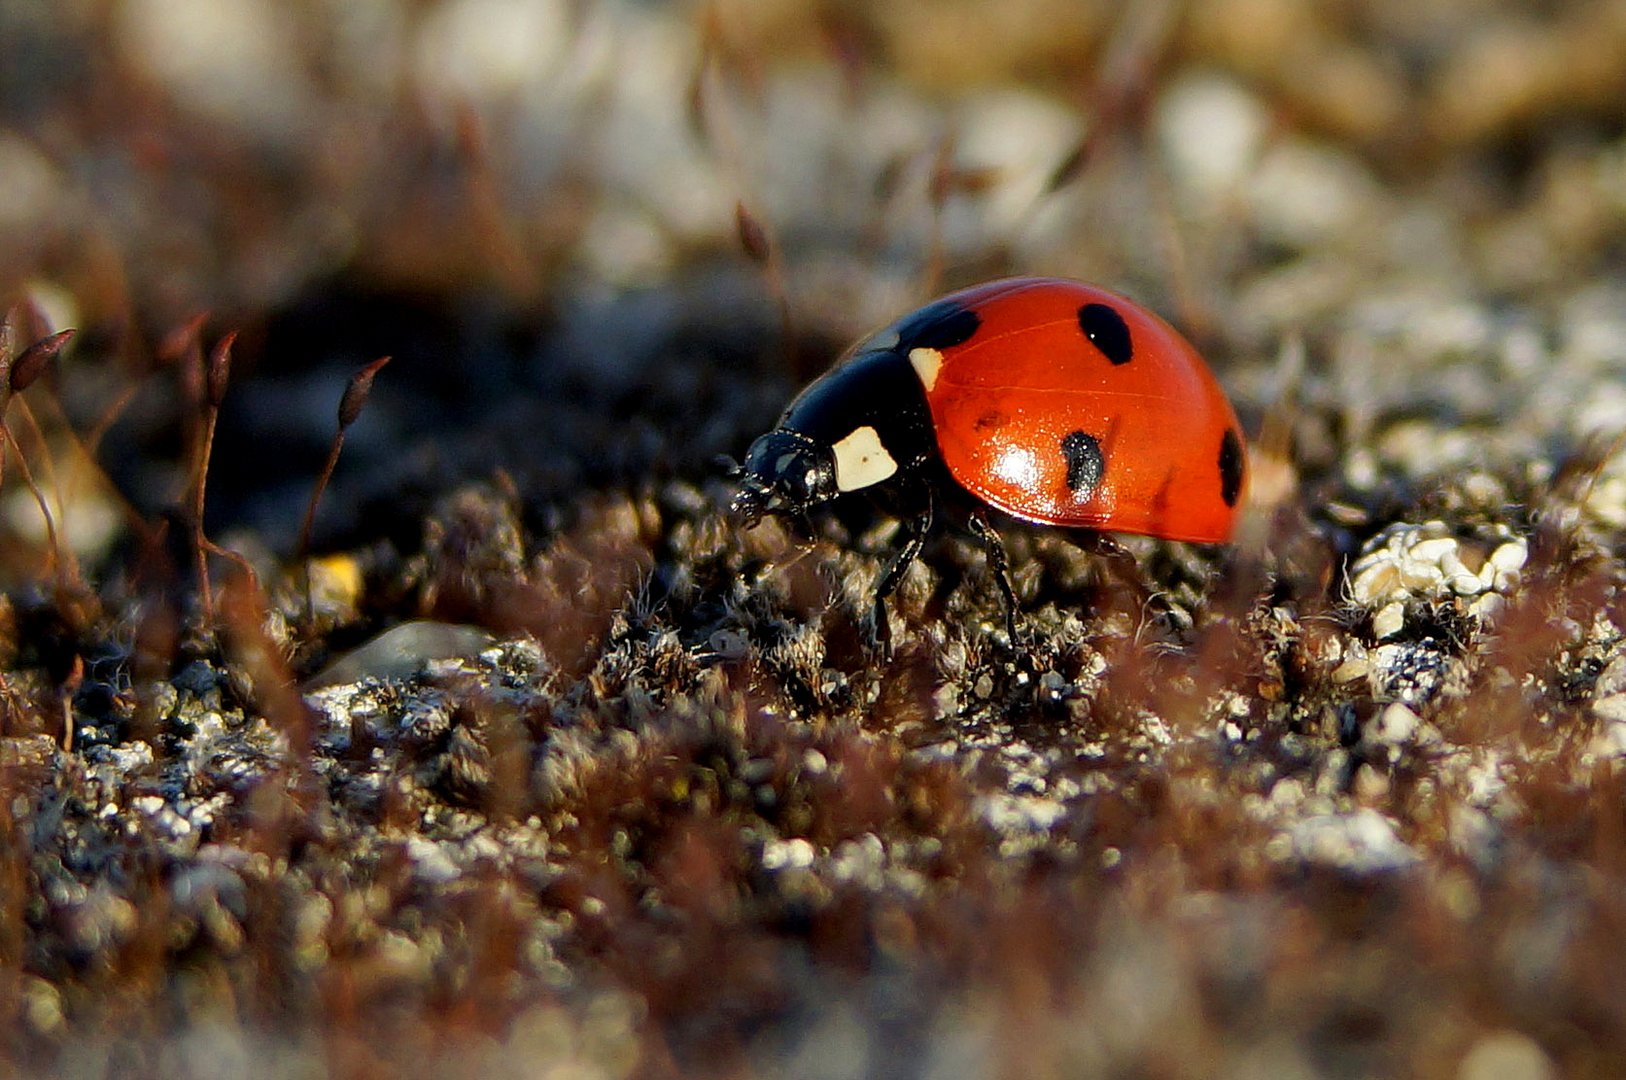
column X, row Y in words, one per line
column 1168, row 455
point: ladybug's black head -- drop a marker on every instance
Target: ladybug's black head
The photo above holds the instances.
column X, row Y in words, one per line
column 785, row 472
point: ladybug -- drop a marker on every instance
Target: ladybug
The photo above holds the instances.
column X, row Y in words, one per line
column 1056, row 402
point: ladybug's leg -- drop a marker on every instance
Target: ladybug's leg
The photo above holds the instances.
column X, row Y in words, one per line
column 1000, row 564
column 915, row 528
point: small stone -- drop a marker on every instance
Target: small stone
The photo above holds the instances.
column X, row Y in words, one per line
column 1355, row 667
column 1389, row 621
column 401, row 652
column 1420, row 577
column 1511, row 556
column 1395, row 725
column 1375, row 583
column 1053, row 687
column 1464, row 584
column 1434, row 551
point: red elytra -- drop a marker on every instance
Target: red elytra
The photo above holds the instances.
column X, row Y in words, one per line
column 1155, row 443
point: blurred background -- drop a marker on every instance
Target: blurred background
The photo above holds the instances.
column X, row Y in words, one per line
column 603, row 241
column 536, row 207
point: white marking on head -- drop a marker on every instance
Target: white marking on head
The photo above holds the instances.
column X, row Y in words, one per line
column 927, row 363
column 861, row 460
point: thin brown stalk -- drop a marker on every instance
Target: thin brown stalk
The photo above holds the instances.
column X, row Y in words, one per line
column 761, row 249
column 200, row 543
column 51, row 539
column 91, row 441
column 350, row 406
column 235, row 558
column 310, row 519
column 66, row 560
column 70, row 687
column 715, row 126
column 214, row 381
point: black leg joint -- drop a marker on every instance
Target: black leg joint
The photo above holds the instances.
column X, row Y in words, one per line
column 915, row 530
column 1000, row 565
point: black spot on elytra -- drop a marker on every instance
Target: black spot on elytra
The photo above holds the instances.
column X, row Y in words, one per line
column 1085, row 464
column 988, row 421
column 1107, row 330
column 1230, row 466
column 940, row 325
